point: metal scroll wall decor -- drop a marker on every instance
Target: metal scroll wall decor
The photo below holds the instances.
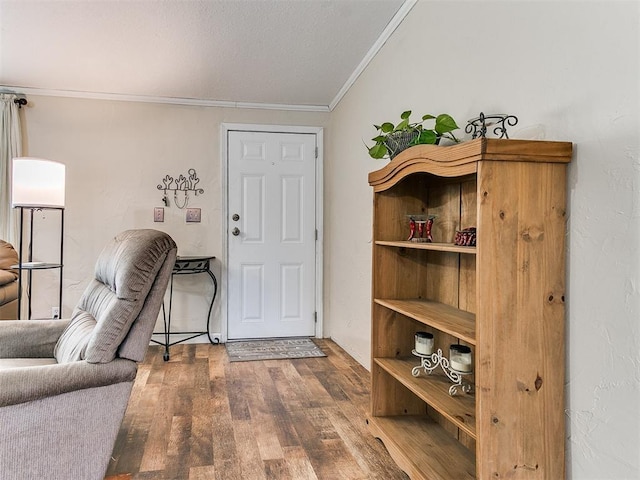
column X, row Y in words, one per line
column 477, row 127
column 181, row 184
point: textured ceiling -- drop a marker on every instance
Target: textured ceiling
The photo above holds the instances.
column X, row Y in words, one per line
column 291, row 52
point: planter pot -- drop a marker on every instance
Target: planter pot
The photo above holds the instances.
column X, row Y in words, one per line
column 400, row 141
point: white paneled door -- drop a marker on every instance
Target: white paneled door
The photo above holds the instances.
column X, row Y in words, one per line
column 272, row 234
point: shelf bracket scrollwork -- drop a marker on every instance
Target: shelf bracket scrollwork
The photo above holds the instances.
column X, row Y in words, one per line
column 181, row 184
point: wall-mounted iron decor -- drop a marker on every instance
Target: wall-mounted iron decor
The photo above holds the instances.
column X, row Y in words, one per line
column 182, row 184
column 477, row 127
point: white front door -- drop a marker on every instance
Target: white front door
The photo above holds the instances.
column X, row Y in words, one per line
column 271, row 234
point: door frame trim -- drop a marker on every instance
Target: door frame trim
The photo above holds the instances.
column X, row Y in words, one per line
column 225, row 128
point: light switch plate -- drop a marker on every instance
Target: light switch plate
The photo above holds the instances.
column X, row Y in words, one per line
column 193, row 215
column 158, row 214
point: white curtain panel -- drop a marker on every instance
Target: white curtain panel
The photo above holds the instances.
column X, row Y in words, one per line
column 10, row 147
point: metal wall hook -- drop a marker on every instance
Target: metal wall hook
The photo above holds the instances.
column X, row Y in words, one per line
column 182, row 184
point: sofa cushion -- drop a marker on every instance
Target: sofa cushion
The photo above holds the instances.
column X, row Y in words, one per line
column 8, row 255
column 6, row 277
column 8, row 292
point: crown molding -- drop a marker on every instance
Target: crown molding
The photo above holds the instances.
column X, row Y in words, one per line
column 163, row 100
column 397, row 19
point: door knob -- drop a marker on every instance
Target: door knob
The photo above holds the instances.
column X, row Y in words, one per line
column 235, row 231
column 235, row 217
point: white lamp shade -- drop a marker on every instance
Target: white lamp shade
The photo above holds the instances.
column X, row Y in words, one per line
column 37, row 183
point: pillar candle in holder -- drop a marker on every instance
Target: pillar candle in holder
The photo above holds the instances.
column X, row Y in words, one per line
column 424, row 343
column 460, row 358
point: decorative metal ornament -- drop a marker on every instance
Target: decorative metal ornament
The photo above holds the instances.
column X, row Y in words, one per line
column 429, row 363
column 182, row 184
column 477, row 127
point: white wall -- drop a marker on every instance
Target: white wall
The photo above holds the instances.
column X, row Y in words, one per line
column 116, row 154
column 569, row 71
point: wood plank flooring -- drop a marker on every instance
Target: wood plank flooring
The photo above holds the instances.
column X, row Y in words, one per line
column 200, row 417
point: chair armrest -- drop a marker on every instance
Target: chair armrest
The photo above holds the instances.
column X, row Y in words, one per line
column 30, row 338
column 26, row 384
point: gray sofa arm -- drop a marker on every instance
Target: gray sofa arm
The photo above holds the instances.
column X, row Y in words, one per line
column 30, row 338
column 25, row 384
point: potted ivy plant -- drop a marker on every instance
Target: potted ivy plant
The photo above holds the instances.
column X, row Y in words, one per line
column 392, row 139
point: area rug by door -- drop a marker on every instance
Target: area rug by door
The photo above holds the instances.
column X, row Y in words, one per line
column 272, row 349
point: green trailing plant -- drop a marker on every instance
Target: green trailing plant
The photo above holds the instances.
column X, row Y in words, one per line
column 392, row 139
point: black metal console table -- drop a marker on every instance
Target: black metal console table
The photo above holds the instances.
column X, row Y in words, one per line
column 189, row 265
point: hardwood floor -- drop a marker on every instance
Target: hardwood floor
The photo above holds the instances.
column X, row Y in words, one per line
column 199, row 417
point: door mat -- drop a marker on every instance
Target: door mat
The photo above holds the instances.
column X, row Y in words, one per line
column 272, row 349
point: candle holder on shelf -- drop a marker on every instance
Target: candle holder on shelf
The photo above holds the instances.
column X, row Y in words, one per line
column 429, row 363
column 466, row 237
column 420, row 228
column 424, row 343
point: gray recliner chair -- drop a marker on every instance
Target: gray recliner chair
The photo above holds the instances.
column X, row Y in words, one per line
column 65, row 384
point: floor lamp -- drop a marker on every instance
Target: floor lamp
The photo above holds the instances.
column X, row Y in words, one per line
column 37, row 185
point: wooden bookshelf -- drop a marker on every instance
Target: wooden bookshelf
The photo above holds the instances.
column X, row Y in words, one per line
column 504, row 298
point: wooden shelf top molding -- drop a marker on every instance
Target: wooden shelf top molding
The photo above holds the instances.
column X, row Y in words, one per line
column 462, row 158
